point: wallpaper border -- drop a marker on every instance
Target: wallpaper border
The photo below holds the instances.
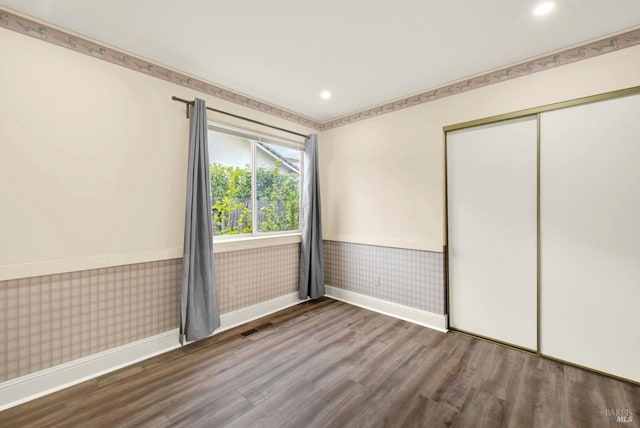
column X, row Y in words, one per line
column 47, row 33
column 530, row 66
column 44, row 32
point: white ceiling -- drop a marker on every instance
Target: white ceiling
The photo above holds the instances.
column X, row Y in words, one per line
column 365, row 52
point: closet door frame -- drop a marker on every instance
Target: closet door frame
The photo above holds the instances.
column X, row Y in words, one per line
column 535, row 111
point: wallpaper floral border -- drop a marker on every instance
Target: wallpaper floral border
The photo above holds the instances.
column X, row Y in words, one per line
column 48, row 34
column 590, row 50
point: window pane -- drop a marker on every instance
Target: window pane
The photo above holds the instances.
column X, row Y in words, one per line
column 230, row 169
column 278, row 187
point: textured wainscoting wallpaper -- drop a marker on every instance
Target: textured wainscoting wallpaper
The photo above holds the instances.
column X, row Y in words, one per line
column 408, row 277
column 252, row 276
column 52, row 319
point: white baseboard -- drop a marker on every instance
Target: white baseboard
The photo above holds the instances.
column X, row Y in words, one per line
column 396, row 310
column 259, row 310
column 43, row 382
column 34, row 385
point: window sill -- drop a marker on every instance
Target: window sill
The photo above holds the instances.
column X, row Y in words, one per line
column 237, row 244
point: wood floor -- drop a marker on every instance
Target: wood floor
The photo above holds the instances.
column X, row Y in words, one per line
column 329, row 364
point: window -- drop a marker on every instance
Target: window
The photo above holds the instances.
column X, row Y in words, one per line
column 255, row 182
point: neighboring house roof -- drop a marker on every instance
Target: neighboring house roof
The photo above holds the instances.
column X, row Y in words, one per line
column 287, row 163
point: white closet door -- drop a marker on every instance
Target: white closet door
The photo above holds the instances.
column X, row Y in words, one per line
column 492, row 223
column 590, row 231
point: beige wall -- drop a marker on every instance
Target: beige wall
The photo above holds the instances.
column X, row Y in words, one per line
column 383, row 178
column 92, row 160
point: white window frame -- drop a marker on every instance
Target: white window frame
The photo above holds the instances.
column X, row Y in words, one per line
column 257, row 239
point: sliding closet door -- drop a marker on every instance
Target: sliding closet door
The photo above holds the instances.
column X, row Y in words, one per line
column 492, row 229
column 590, row 235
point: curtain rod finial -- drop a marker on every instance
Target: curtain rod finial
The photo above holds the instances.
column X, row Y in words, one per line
column 188, row 103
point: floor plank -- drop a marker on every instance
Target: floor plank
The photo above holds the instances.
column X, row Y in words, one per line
column 218, row 413
column 328, row 408
column 279, row 408
column 329, row 364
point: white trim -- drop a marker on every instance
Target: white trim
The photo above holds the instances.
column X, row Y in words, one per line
column 224, row 245
column 259, row 310
column 221, row 245
column 34, row 385
column 50, row 267
column 406, row 244
column 417, row 316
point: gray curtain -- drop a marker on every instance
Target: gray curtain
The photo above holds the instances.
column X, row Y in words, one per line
column 311, row 260
column 199, row 301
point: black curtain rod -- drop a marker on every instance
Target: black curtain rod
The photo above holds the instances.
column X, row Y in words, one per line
column 239, row 117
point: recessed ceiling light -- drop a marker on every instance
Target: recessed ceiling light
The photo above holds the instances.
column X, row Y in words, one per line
column 544, row 8
column 325, row 95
